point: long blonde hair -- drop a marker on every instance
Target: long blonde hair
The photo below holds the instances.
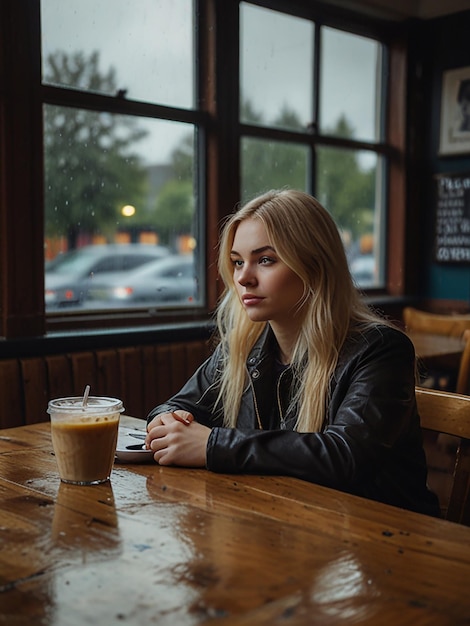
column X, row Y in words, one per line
column 307, row 240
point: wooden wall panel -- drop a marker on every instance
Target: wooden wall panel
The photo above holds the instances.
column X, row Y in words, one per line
column 132, row 381
column 196, row 353
column 142, row 377
column 178, row 366
column 60, row 376
column 11, row 394
column 108, row 374
column 83, row 372
column 35, row 390
column 163, row 388
column 149, row 379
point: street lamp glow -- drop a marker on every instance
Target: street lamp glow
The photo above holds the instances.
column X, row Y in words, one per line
column 128, row 210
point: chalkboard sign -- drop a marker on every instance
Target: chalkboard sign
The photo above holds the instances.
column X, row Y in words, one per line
column 452, row 224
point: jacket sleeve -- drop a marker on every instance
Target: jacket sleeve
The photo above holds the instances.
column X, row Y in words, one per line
column 198, row 396
column 372, row 407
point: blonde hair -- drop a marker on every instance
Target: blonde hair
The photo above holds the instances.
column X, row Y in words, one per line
column 307, row 240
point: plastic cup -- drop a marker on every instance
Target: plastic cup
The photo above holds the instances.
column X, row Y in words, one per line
column 84, row 438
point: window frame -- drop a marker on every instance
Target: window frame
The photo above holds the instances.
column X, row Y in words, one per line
column 81, row 99
column 22, row 312
column 312, row 138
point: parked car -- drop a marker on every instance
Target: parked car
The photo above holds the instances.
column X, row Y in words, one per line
column 69, row 276
column 168, row 280
column 363, row 270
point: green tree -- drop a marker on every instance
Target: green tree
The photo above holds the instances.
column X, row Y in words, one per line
column 345, row 188
column 182, row 159
column 90, row 170
column 272, row 164
column 175, row 210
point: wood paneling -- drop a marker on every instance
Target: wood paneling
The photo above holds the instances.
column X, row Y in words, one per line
column 141, row 376
column 35, row 389
column 11, row 394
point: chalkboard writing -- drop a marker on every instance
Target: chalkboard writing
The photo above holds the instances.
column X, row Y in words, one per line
column 452, row 224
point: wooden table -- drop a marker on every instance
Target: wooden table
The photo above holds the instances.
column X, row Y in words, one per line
column 181, row 547
column 440, row 349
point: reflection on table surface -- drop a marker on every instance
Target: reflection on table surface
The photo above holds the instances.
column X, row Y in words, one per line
column 184, row 547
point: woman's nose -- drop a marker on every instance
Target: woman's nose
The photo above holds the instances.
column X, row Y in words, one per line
column 246, row 276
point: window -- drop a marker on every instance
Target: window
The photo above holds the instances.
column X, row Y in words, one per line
column 142, row 125
column 276, row 68
column 120, row 174
column 322, row 121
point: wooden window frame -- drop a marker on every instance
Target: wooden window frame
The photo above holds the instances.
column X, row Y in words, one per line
column 22, row 313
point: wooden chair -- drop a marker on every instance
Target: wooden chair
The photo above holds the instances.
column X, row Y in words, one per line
column 435, row 323
column 463, row 379
column 448, row 413
column 450, row 325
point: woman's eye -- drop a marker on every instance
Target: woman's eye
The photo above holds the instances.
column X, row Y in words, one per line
column 237, row 263
column 266, row 260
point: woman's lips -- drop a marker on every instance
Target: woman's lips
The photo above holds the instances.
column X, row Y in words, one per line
column 251, row 300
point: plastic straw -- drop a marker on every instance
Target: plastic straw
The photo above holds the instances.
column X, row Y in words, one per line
column 85, row 395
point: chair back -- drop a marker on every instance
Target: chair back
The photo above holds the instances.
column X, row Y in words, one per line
column 446, row 413
column 450, row 325
column 435, row 323
column 463, row 379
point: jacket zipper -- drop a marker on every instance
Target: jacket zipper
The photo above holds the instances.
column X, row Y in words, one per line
column 279, row 406
column 255, row 402
column 281, row 416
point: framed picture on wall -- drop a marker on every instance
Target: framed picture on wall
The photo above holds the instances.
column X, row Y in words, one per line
column 455, row 112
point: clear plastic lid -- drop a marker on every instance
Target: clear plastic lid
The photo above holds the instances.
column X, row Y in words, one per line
column 96, row 405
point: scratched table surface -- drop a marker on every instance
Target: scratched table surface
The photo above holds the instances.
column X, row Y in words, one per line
column 183, row 547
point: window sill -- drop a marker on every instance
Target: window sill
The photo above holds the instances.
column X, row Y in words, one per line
column 61, row 341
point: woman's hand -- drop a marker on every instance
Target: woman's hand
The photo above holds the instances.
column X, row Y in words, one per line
column 176, row 439
column 181, row 416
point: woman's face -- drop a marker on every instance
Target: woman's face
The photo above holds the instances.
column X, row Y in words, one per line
column 269, row 290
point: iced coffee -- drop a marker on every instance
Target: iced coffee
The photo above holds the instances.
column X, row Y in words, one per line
column 84, row 437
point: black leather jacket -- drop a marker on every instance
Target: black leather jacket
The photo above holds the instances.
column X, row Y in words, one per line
column 370, row 445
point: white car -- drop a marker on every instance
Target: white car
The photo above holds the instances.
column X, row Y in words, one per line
column 69, row 276
column 168, row 280
column 363, row 270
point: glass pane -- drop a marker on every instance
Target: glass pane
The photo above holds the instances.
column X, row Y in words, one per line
column 276, row 56
column 350, row 85
column 349, row 186
column 143, row 49
column 109, row 181
column 270, row 165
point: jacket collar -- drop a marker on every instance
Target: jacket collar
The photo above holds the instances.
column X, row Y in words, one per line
column 262, row 348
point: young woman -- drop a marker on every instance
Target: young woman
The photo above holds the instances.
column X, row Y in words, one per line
column 305, row 381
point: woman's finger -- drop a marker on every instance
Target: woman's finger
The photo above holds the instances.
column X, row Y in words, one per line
column 158, row 431
column 183, row 416
column 156, row 421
